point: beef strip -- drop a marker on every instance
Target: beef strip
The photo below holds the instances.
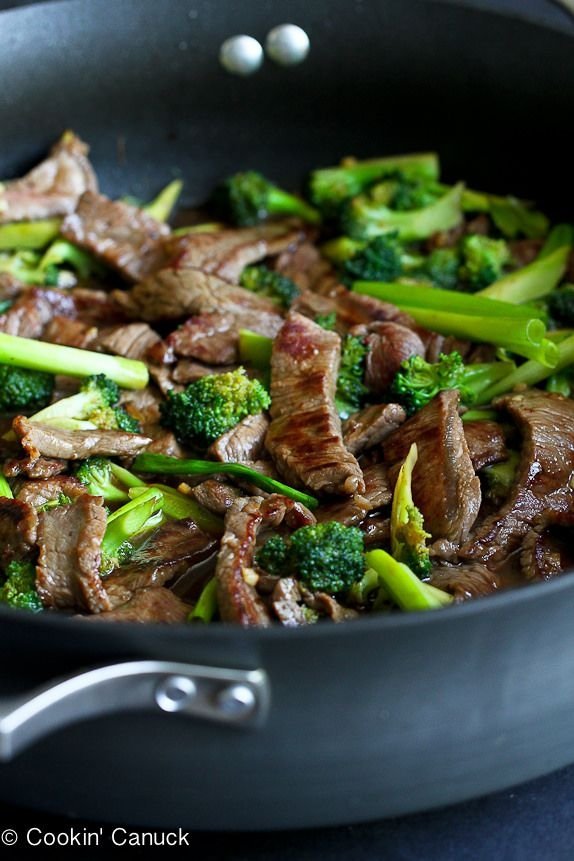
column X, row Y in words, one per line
column 547, row 548
column 369, row 427
column 43, row 490
column 445, row 488
column 243, row 443
column 305, row 437
column 327, row 605
column 186, row 371
column 287, row 605
column 171, row 550
column 43, row 467
column 544, row 479
column 304, row 266
column 70, row 333
column 34, row 309
column 143, row 404
column 465, row 581
column 211, row 338
column 10, row 287
column 238, row 601
column 132, row 340
column 486, row 443
column 376, row 528
column 350, row 309
column 214, row 495
column 525, row 251
column 158, row 605
column 53, row 187
column 124, row 237
column 354, row 510
column 164, row 442
column 389, row 344
column 18, row 526
column 39, row 439
column 226, row 253
column 68, row 569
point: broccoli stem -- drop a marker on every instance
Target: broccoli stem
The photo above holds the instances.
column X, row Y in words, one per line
column 5, row 489
column 160, row 463
column 61, row 251
column 130, row 520
column 31, row 235
column 479, row 415
column 255, row 349
column 181, row 507
column 56, row 359
column 560, row 236
column 559, row 384
column 280, row 202
column 403, row 586
column 206, row 227
column 206, row 606
column 530, row 373
column 531, row 282
column 163, row 205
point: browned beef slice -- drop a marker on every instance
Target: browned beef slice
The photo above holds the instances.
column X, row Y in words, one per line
column 389, row 344
column 148, row 605
column 486, row 443
column 237, row 600
column 164, row 442
column 371, row 426
column 53, row 187
column 354, row 510
column 226, row 253
column 305, row 438
column 68, row 570
column 70, row 333
column 548, row 548
column 123, row 236
column 242, row 443
column 143, row 404
column 445, row 487
column 304, row 265
column 524, row 251
column 187, row 371
column 97, row 307
column 44, row 467
column 214, row 495
column 34, row 309
column 171, row 550
column 465, row 581
column 326, row 605
column 10, row 287
column 544, row 477
column 18, row 525
column 43, row 490
column 39, row 439
column 212, row 338
column 376, row 529
column 173, row 295
column 351, row 309
column 286, row 602
column 132, row 340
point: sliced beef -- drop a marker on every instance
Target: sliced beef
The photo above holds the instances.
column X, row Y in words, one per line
column 214, row 495
column 472, row 580
column 389, row 344
column 33, row 310
column 10, row 287
column 143, row 404
column 287, row 603
column 243, row 443
column 53, row 187
column 132, row 340
column 376, row 529
column 148, row 605
column 544, row 477
column 18, row 525
column 355, row 509
column 171, row 550
column 211, row 338
column 326, row 605
column 68, row 569
column 97, row 307
column 238, row 601
column 304, row 266
column 547, row 549
column 43, row 490
column 39, row 439
column 124, row 237
column 486, row 443
column 369, row 427
column 350, row 309
column 164, row 442
column 305, row 437
column 43, row 467
column 445, row 488
column 226, row 253
column 70, row 333
column 187, row 371
column 525, row 251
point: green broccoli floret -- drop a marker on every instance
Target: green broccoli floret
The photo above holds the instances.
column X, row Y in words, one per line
column 442, row 267
column 262, row 280
column 213, row 405
column 21, row 389
column 248, row 198
column 126, row 523
column 94, row 406
column 410, row 194
column 484, row 260
column 379, row 260
column 59, row 500
column 327, row 556
column 561, row 304
column 273, row 555
column 19, row 587
column 102, row 477
column 418, row 381
column 327, row 321
column 351, row 389
column 408, row 536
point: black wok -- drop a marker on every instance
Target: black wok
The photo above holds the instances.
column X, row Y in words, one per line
column 224, row 728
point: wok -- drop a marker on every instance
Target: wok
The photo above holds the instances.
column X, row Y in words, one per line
column 218, row 728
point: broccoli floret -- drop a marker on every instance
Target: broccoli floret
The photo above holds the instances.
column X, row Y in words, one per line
column 101, row 477
column 380, row 260
column 327, row 321
column 408, row 536
column 351, row 389
column 500, row 478
column 409, row 194
column 327, row 556
column 21, row 389
column 61, row 499
column 484, row 260
column 248, row 198
column 19, row 587
column 561, row 305
column 262, row 280
column 94, row 406
column 442, row 267
column 273, row 555
column 213, row 405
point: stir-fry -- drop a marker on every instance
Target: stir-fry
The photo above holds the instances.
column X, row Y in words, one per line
column 301, row 408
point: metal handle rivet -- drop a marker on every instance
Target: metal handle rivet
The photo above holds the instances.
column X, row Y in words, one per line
column 241, row 55
column 175, row 693
column 236, row 699
column 287, row 44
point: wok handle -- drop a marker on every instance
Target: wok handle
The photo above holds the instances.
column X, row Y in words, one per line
column 232, row 697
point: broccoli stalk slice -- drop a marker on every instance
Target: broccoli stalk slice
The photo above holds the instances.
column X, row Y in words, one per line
column 206, row 606
column 5, row 489
column 61, row 252
column 403, row 586
column 56, row 359
column 24, row 265
column 248, row 198
column 255, row 349
column 163, row 464
column 560, row 384
column 29, row 235
column 181, row 507
column 163, row 205
column 531, row 282
column 329, row 187
column 510, row 215
column 125, row 524
column 560, row 236
column 365, row 219
column 408, row 536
